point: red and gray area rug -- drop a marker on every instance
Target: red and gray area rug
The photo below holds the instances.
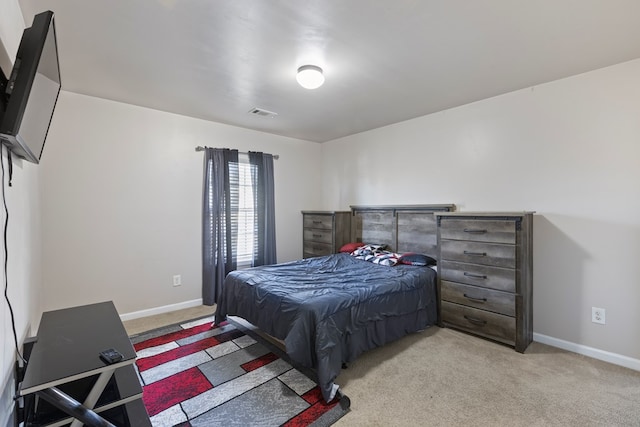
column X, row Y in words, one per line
column 197, row 374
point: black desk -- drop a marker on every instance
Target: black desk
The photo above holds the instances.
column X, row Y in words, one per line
column 64, row 364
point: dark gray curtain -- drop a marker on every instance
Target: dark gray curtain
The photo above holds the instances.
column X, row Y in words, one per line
column 219, row 220
column 264, row 248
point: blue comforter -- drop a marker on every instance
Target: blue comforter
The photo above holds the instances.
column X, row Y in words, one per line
column 328, row 310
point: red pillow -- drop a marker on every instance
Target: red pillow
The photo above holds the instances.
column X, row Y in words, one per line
column 350, row 247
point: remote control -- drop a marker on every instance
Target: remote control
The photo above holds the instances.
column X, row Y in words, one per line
column 110, row 356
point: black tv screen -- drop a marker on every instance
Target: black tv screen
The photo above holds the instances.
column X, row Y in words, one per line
column 31, row 90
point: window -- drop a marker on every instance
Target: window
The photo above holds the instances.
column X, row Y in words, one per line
column 238, row 216
column 246, row 239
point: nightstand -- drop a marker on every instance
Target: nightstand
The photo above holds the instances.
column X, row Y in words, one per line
column 324, row 232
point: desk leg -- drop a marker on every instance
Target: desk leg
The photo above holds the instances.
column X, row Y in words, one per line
column 72, row 407
column 95, row 393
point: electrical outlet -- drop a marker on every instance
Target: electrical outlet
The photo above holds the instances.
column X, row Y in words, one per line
column 598, row 315
column 177, row 280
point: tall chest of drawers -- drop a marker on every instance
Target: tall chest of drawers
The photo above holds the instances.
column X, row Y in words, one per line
column 324, row 232
column 485, row 274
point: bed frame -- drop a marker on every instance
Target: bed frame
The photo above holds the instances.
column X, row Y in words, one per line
column 403, row 228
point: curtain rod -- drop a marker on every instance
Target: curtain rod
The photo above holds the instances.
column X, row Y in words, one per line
column 201, row 148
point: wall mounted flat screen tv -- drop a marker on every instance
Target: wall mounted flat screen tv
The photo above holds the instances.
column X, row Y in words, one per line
column 30, row 93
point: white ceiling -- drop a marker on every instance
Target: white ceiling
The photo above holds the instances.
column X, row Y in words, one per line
column 385, row 61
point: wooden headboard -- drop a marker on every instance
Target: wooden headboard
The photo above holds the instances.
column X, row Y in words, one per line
column 403, row 228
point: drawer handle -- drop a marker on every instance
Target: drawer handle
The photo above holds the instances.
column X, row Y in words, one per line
column 475, row 299
column 317, row 235
column 475, row 276
column 475, row 321
column 474, row 230
column 475, row 253
column 317, row 222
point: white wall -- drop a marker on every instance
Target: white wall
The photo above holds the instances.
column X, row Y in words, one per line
column 122, row 200
column 23, row 233
column 569, row 149
column 24, row 273
column 11, row 27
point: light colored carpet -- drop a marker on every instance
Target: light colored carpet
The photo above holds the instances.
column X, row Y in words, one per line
column 441, row 377
column 144, row 324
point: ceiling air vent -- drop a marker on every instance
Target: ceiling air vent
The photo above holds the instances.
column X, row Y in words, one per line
column 262, row 112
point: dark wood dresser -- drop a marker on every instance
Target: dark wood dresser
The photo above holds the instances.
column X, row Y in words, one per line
column 485, row 274
column 324, row 232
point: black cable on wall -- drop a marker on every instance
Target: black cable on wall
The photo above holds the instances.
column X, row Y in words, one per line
column 6, row 252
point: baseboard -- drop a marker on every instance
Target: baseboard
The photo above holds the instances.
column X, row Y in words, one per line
column 7, row 402
column 606, row 356
column 10, row 420
column 160, row 310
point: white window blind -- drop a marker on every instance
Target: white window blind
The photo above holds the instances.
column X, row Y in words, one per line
column 246, row 238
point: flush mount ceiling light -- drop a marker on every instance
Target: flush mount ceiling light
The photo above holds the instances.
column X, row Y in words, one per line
column 310, row 76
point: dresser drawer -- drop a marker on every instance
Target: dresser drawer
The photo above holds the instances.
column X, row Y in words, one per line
column 482, row 298
column 479, row 253
column 502, row 279
column 318, row 221
column 491, row 325
column 313, row 249
column 316, row 235
column 496, row 231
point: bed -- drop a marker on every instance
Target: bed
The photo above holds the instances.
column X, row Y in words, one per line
column 328, row 310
